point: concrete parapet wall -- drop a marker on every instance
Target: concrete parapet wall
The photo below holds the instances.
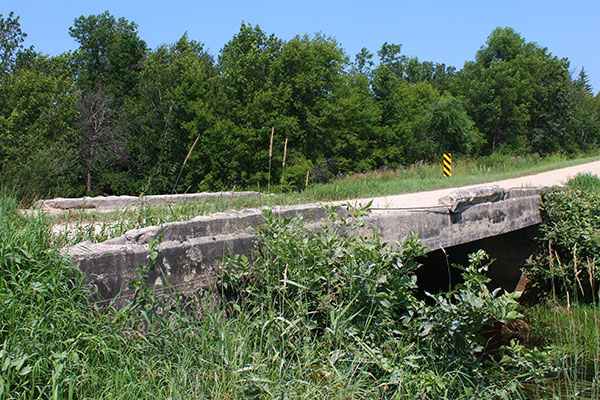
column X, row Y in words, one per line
column 189, row 251
column 115, row 202
column 465, row 216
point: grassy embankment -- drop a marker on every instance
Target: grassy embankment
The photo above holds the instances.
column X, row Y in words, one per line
column 101, row 226
column 300, row 323
column 316, row 316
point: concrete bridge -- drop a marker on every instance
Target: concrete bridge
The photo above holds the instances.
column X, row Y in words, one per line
column 189, row 251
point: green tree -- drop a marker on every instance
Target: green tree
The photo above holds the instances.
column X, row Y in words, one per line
column 363, row 63
column 267, row 83
column 110, row 53
column 249, row 107
column 583, row 82
column 403, row 137
column 390, row 56
column 309, row 73
column 39, row 122
column 503, row 44
column 354, row 120
column 106, row 66
column 11, row 39
column 172, row 106
column 516, row 93
column 584, row 126
column 451, row 128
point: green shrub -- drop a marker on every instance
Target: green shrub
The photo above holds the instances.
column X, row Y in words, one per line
column 294, row 177
column 585, row 182
column 355, row 295
column 458, row 325
column 319, row 282
column 569, row 240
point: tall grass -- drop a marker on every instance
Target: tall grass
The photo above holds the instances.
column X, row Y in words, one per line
column 570, row 326
column 270, row 159
column 571, row 332
column 564, row 271
column 56, row 343
column 315, row 314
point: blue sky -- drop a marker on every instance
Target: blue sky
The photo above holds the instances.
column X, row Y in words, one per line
column 439, row 31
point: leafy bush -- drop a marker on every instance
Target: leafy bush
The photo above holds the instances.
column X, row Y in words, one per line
column 460, row 323
column 294, row 177
column 585, row 182
column 354, row 294
column 453, row 130
column 569, row 241
column 318, row 282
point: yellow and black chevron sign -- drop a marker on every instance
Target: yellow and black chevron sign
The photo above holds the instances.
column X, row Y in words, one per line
column 447, row 164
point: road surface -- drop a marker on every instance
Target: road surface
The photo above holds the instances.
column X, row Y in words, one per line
column 431, row 198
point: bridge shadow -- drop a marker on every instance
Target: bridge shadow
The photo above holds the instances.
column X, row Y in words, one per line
column 510, row 252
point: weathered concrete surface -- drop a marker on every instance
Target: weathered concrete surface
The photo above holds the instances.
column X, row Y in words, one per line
column 114, row 202
column 465, row 216
column 189, row 251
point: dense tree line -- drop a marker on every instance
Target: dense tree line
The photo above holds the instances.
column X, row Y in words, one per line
column 116, row 117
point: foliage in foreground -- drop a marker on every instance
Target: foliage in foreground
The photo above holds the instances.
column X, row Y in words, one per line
column 315, row 315
column 355, row 297
column 564, row 277
column 569, row 241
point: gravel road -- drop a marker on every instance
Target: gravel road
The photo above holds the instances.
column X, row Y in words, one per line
column 430, row 199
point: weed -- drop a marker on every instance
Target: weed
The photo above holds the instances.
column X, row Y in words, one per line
column 566, row 321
